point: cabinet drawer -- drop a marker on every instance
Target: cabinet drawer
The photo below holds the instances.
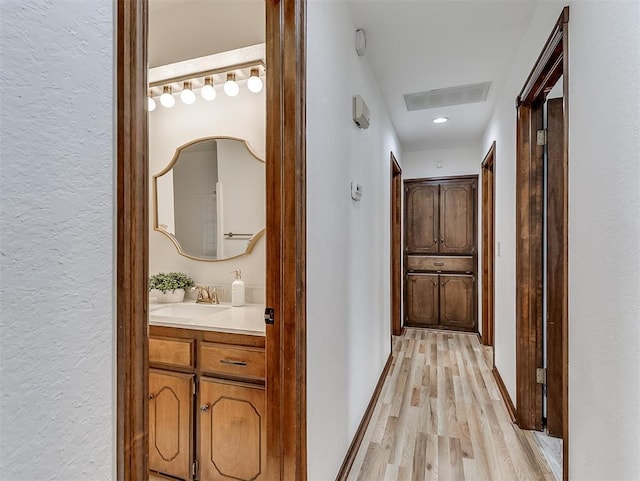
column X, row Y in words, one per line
column 440, row 263
column 174, row 352
column 236, row 360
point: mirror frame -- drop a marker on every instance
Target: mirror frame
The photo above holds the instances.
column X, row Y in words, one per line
column 252, row 242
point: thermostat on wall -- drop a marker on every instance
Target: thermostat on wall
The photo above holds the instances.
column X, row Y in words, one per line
column 360, row 112
column 356, row 191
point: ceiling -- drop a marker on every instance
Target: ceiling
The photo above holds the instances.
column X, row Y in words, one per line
column 412, row 46
column 420, row 45
column 185, row 29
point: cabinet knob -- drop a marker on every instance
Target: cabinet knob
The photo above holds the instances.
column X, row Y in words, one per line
column 204, row 408
column 150, row 397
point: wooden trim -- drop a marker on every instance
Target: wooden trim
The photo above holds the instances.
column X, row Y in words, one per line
column 488, row 247
column 286, row 239
column 364, row 423
column 132, row 242
column 565, row 262
column 551, row 64
column 508, row 403
column 529, row 245
column 396, row 247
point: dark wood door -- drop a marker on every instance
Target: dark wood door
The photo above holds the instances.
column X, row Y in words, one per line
column 232, row 431
column 170, row 422
column 457, row 206
column 457, row 302
column 422, row 210
column 423, row 303
column 556, row 263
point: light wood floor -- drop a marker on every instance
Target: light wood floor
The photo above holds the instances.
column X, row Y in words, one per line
column 440, row 417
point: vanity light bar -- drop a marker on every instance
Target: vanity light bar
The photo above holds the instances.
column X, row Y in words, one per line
column 205, row 77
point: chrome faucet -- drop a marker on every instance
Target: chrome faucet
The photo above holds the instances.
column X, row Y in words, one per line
column 206, row 296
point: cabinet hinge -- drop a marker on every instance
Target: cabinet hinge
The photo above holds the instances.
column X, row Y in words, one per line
column 195, row 387
column 194, row 469
column 541, row 375
column 542, row 137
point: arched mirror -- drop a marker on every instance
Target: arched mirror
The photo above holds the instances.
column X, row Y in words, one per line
column 210, row 199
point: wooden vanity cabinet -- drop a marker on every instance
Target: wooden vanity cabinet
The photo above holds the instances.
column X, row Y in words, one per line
column 207, row 410
column 440, row 253
column 232, row 430
column 171, row 422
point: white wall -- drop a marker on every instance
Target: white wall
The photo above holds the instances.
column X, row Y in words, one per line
column 57, row 382
column 453, row 161
column 604, row 231
column 502, row 129
column 348, row 253
column 604, row 240
column 243, row 117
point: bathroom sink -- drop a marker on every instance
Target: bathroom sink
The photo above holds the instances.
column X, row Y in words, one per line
column 189, row 311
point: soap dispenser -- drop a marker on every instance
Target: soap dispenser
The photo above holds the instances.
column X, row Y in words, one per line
column 237, row 290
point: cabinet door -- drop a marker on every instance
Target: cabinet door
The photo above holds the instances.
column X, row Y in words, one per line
column 170, row 422
column 421, row 222
column 457, row 307
column 422, row 299
column 232, row 431
column 457, row 206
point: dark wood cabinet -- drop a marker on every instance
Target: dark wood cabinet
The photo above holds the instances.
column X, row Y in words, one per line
column 457, row 207
column 423, row 290
column 440, row 253
column 457, row 298
column 422, row 206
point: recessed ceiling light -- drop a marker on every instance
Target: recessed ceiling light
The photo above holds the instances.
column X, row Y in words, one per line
column 440, row 120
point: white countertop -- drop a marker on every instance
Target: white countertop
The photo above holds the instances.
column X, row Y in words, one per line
column 248, row 319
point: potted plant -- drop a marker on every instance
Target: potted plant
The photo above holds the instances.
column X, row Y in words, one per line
column 170, row 287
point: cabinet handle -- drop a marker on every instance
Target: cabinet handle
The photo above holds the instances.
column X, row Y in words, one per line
column 150, row 397
column 232, row 362
column 204, row 408
column 438, row 263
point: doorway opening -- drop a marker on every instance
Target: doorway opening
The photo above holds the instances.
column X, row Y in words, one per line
column 396, row 247
column 542, row 236
column 286, row 242
column 488, row 246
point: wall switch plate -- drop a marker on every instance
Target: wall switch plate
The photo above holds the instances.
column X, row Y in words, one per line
column 356, row 191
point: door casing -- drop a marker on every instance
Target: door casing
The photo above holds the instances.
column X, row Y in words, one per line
column 396, row 247
column 552, row 64
column 488, row 247
column 286, row 241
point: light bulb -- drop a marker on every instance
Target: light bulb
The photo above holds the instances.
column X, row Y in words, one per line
column 151, row 104
column 230, row 86
column 166, row 99
column 254, row 84
column 440, row 120
column 208, row 92
column 187, row 95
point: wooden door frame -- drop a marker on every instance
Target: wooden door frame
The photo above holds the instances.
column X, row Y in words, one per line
column 396, row 247
column 286, row 240
column 552, row 63
column 488, row 247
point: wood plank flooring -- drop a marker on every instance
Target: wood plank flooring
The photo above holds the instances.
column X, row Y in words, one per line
column 440, row 417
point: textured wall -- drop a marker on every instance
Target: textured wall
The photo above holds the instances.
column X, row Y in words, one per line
column 348, row 255
column 56, row 241
column 604, row 240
